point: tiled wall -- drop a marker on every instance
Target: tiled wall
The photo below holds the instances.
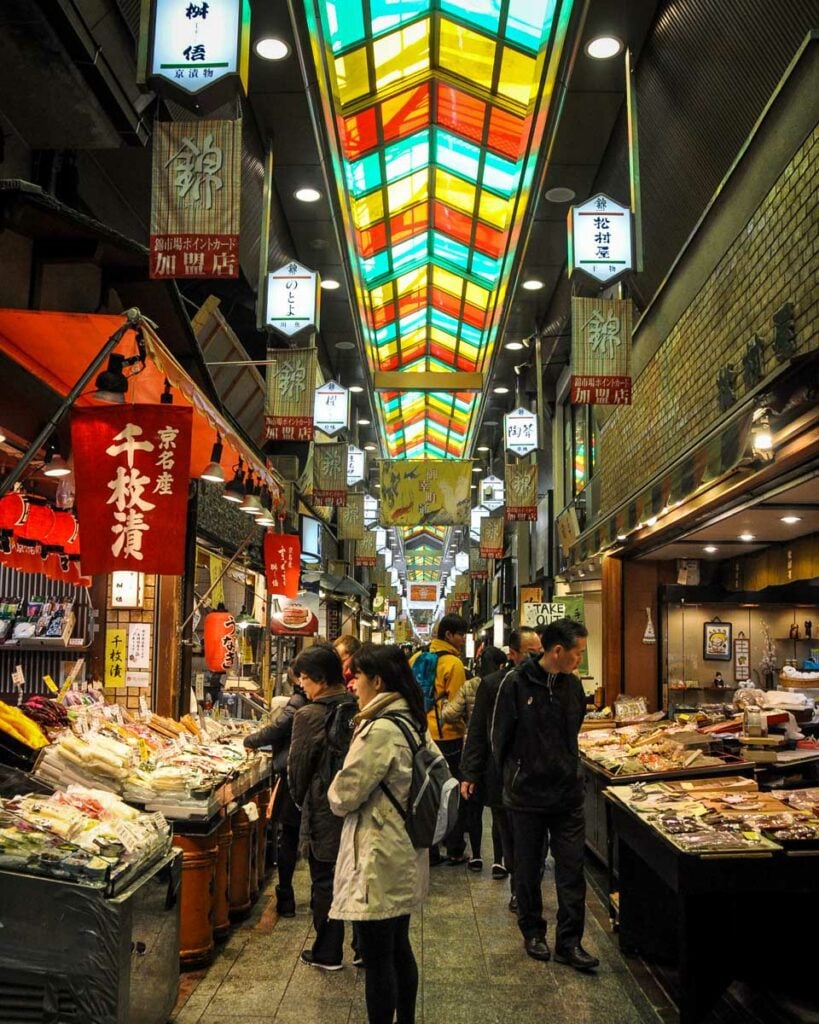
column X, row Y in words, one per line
column 119, row 618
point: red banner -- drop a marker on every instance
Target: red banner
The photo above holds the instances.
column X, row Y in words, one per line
column 131, row 465
column 282, row 563
column 220, row 641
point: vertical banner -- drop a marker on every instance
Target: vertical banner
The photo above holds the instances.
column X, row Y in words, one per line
column 282, row 563
column 330, row 474
column 351, row 518
column 291, row 381
column 115, row 648
column 423, row 492
column 478, row 569
column 491, row 544
column 131, row 465
column 601, row 351
column 195, row 199
column 365, row 553
column 521, row 492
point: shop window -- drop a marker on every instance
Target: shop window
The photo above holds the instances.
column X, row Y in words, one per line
column 579, row 448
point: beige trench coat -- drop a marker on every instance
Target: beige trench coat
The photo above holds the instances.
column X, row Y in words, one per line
column 379, row 874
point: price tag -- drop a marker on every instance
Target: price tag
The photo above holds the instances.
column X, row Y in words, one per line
column 18, row 677
column 199, row 686
column 144, row 751
column 143, row 705
column 51, row 684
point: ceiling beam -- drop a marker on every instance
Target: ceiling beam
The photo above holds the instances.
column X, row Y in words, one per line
column 400, row 380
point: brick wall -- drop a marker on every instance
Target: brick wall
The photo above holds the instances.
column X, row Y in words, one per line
column 773, row 261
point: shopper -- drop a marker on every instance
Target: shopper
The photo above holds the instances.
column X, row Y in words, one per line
column 345, row 646
column 381, row 879
column 310, row 769
column 460, row 710
column 537, row 717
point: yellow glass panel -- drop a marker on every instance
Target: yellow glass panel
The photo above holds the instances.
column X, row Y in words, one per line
column 478, row 296
column 466, row 53
column 406, row 191
column 352, row 79
column 412, row 281
column 494, row 210
column 452, row 283
column 517, row 77
column 401, row 54
column 454, row 191
column 378, row 296
column 368, row 210
column 447, row 340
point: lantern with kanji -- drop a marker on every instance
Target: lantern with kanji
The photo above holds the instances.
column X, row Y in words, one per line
column 220, row 641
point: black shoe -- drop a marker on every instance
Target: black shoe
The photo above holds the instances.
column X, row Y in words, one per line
column 499, row 871
column 458, row 858
column 476, row 864
column 308, row 958
column 513, row 904
column 577, row 957
column 285, row 902
column 537, row 948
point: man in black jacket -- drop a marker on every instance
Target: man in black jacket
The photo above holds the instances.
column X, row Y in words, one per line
column 536, row 720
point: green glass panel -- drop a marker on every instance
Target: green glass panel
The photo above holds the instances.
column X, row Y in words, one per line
column 457, row 155
column 364, row 175
column 484, row 16
column 407, row 156
column 501, row 175
column 375, row 267
column 529, row 22
column 386, row 15
column 447, row 248
column 485, row 268
column 343, row 23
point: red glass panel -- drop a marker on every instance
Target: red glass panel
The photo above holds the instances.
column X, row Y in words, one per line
column 405, row 114
column 409, row 222
column 410, row 303
column 507, row 133
column 489, row 240
column 358, row 133
column 373, row 239
column 464, row 115
column 453, row 223
column 383, row 315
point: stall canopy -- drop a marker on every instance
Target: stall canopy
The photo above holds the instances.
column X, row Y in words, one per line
column 57, row 348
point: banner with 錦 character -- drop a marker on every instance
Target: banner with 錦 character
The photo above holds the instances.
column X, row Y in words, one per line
column 365, row 553
column 521, row 493
column 195, row 199
column 131, row 467
column 282, row 563
column 291, row 381
column 351, row 518
column 330, row 474
column 478, row 569
column 424, row 492
column 601, row 351
column 491, row 542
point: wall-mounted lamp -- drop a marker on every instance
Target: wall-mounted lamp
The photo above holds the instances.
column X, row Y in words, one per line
column 250, row 503
column 761, row 436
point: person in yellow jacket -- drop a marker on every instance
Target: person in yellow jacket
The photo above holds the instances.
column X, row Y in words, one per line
column 450, row 676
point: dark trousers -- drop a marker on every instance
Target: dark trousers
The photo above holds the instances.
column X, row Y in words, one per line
column 328, row 945
column 473, row 813
column 390, row 970
column 454, row 841
column 503, row 842
column 566, row 834
column 288, row 820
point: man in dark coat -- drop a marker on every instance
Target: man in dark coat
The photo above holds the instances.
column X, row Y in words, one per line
column 536, row 721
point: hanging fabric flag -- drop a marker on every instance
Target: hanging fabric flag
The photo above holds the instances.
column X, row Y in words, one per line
column 195, row 199
column 282, row 563
column 365, row 550
column 601, row 351
column 491, row 544
column 131, row 465
column 351, row 518
column 291, row 380
column 424, row 492
column 521, row 492
column 330, row 474
column 478, row 569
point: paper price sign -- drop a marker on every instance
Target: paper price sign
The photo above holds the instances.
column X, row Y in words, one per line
column 542, row 613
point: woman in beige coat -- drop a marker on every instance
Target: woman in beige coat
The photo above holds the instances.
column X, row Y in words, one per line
column 380, row 877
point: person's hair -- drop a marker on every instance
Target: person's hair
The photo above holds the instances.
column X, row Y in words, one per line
column 517, row 635
column 452, row 624
column 321, row 663
column 348, row 642
column 565, row 632
column 490, row 661
column 390, row 663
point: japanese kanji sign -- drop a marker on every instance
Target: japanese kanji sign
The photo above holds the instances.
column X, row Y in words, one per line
column 331, row 408
column 355, row 465
column 115, row 649
column 282, row 563
column 521, row 492
column 351, row 518
column 292, row 299
column 291, row 381
column 131, row 465
column 478, row 569
column 330, row 474
column 195, row 199
column 491, row 491
column 425, row 492
column 491, row 545
column 520, row 431
column 601, row 351
column 600, row 242
column 365, row 553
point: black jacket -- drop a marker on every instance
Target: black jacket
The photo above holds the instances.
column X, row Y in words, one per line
column 477, row 763
column 277, row 733
column 535, row 724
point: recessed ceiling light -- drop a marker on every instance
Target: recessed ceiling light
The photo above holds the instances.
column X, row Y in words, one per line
column 501, row 390
column 622, row 536
column 363, row 423
column 270, row 48
column 490, row 423
column 710, row 549
column 483, row 448
column 603, row 47
column 514, row 346
column 330, row 284
column 2, row 438
column 652, row 521
column 474, row 487
column 355, row 388
column 746, row 536
column 790, row 520
column 559, row 194
column 533, row 285
column 477, row 469
column 369, row 448
column 307, row 195
column 345, row 346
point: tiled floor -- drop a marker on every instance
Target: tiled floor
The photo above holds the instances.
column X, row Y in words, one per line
column 473, row 968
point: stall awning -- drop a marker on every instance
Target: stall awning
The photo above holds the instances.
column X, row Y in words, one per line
column 343, row 586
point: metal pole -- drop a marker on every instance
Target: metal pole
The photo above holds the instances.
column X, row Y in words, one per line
column 204, row 597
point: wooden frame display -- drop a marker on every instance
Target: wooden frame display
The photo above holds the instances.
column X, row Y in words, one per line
column 716, row 640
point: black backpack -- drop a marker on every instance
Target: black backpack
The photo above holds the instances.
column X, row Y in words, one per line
column 338, row 730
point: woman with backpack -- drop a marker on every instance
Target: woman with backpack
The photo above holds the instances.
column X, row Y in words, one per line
column 381, row 878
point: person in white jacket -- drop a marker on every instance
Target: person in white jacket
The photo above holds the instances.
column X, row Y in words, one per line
column 380, row 877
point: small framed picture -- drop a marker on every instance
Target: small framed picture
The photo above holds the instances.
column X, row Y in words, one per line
column 716, row 640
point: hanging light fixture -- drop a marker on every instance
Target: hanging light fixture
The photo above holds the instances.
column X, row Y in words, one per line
column 213, row 471
column 235, row 490
column 761, row 435
column 250, row 503
column 166, row 398
column 112, row 384
column 55, row 464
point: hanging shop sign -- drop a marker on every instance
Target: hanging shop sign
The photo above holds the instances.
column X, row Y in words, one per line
column 521, row 498
column 292, row 299
column 195, row 199
column 600, row 238
column 365, row 553
column 520, row 431
column 416, row 492
column 355, row 465
column 491, row 492
column 197, row 54
column 330, row 474
column 115, row 648
column 491, row 545
column 282, row 563
column 601, row 351
column 478, row 569
column 291, row 381
column 220, row 641
column 131, row 465
column 542, row 613
column 423, row 593
column 331, row 408
column 296, row 618
column 351, row 518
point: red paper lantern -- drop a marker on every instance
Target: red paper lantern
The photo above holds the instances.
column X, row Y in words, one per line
column 220, row 641
column 38, row 521
column 12, row 511
column 63, row 530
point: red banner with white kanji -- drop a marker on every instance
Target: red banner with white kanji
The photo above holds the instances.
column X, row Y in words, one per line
column 282, row 563
column 131, row 466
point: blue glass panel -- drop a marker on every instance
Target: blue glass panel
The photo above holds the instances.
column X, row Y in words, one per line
column 471, row 334
column 501, row 175
column 407, row 156
column 363, row 175
column 343, row 23
column 444, row 322
column 376, row 266
column 384, row 334
column 448, row 248
column 485, row 268
column 530, row 22
column 483, row 14
column 413, row 321
column 386, row 15
column 457, row 155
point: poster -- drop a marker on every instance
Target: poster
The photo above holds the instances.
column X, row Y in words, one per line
column 424, row 492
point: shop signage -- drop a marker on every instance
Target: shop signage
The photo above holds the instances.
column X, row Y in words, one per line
column 355, row 465
column 491, row 545
column 417, row 492
column 126, row 589
column 491, row 493
column 195, row 199
column 139, row 645
column 521, row 499
column 282, row 563
column 520, row 431
column 423, row 592
column 292, row 301
column 478, row 569
column 601, row 351
column 330, row 474
column 131, row 465
column 475, row 517
column 600, row 238
column 351, row 518
column 331, row 409
column 365, row 553
column 296, row 618
column 220, row 641
column 541, row 613
column 291, row 381
column 115, row 647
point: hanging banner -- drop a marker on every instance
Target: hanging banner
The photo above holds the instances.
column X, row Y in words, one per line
column 282, row 563
column 478, row 569
column 423, row 592
column 131, row 465
column 291, row 381
column 331, row 408
column 351, row 518
column 521, row 493
column 601, row 351
column 296, row 618
column 355, row 465
column 491, row 492
column 520, row 431
column 425, row 492
column 292, row 299
column 195, row 199
column 365, row 553
column 330, row 474
column 491, row 545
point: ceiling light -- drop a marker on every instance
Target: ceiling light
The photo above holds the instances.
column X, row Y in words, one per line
column 533, row 285
column 603, row 47
column 559, row 194
column 477, row 469
column 213, row 471
column 369, row 448
column 307, row 195
column 55, row 464
column 363, row 423
column 2, row 438
column 746, row 537
column 710, row 549
column 514, row 346
column 474, row 487
column 330, row 284
column 345, row 346
column 790, row 520
column 490, row 423
column 356, row 389
column 761, row 437
column 235, row 490
column 501, row 390
column 269, row 48
column 483, row 447
column 622, row 536
column 651, row 521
